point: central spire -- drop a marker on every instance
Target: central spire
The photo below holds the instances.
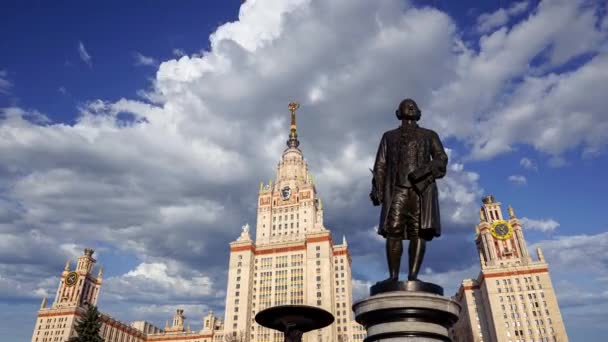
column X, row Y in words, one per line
column 293, row 136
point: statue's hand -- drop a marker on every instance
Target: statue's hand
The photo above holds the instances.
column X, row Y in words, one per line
column 374, row 197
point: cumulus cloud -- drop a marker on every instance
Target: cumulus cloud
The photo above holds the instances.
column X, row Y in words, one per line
column 178, row 52
column 450, row 280
column 528, row 164
column 488, row 21
column 545, row 225
column 459, row 195
column 84, row 55
column 144, row 60
column 580, row 253
column 148, row 281
column 5, row 84
column 572, row 258
column 360, row 289
column 517, row 179
column 527, row 98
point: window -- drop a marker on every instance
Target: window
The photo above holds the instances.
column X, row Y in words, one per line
column 318, row 248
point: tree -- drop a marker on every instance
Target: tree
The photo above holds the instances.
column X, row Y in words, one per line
column 88, row 327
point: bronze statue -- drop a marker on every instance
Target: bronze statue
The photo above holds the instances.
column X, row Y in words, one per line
column 408, row 161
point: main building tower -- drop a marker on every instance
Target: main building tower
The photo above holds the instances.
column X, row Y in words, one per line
column 293, row 259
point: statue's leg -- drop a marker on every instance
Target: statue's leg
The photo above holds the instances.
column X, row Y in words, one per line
column 395, row 229
column 416, row 254
column 394, row 251
column 417, row 243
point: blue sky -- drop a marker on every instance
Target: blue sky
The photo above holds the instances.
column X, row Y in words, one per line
column 143, row 131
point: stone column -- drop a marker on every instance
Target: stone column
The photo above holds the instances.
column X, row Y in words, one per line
column 407, row 311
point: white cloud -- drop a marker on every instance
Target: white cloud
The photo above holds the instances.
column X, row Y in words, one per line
column 158, row 283
column 488, row 21
column 5, row 84
column 577, row 253
column 450, row 280
column 459, row 195
column 360, row 289
column 178, row 52
column 144, row 60
column 84, row 55
column 543, row 225
column 528, row 164
column 517, row 179
column 542, row 110
column 572, row 258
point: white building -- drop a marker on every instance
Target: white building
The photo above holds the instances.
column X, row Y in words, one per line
column 293, row 259
column 512, row 299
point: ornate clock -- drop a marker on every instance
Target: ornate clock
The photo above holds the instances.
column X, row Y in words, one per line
column 501, row 230
column 285, row 193
column 71, row 278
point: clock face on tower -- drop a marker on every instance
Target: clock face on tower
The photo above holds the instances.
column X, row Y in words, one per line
column 501, row 230
column 71, row 279
column 285, row 193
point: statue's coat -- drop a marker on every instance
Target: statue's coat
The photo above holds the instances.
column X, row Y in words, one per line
column 402, row 151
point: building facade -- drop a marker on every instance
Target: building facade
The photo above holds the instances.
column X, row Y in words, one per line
column 512, row 299
column 293, row 260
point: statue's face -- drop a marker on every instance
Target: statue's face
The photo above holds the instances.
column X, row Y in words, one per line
column 409, row 109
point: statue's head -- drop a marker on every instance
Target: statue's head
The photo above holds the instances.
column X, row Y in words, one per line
column 408, row 110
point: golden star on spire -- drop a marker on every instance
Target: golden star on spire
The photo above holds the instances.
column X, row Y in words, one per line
column 293, row 107
column 293, row 136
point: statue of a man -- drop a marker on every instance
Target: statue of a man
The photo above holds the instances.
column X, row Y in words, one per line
column 408, row 161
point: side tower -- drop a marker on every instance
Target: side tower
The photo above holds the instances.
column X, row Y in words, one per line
column 77, row 288
column 513, row 296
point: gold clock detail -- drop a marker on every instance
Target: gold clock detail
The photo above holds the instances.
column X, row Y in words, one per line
column 71, row 279
column 501, row 230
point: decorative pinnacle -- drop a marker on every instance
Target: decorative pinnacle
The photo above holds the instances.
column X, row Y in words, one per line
column 511, row 213
column 67, row 266
column 293, row 136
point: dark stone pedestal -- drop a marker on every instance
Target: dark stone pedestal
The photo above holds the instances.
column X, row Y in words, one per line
column 407, row 311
